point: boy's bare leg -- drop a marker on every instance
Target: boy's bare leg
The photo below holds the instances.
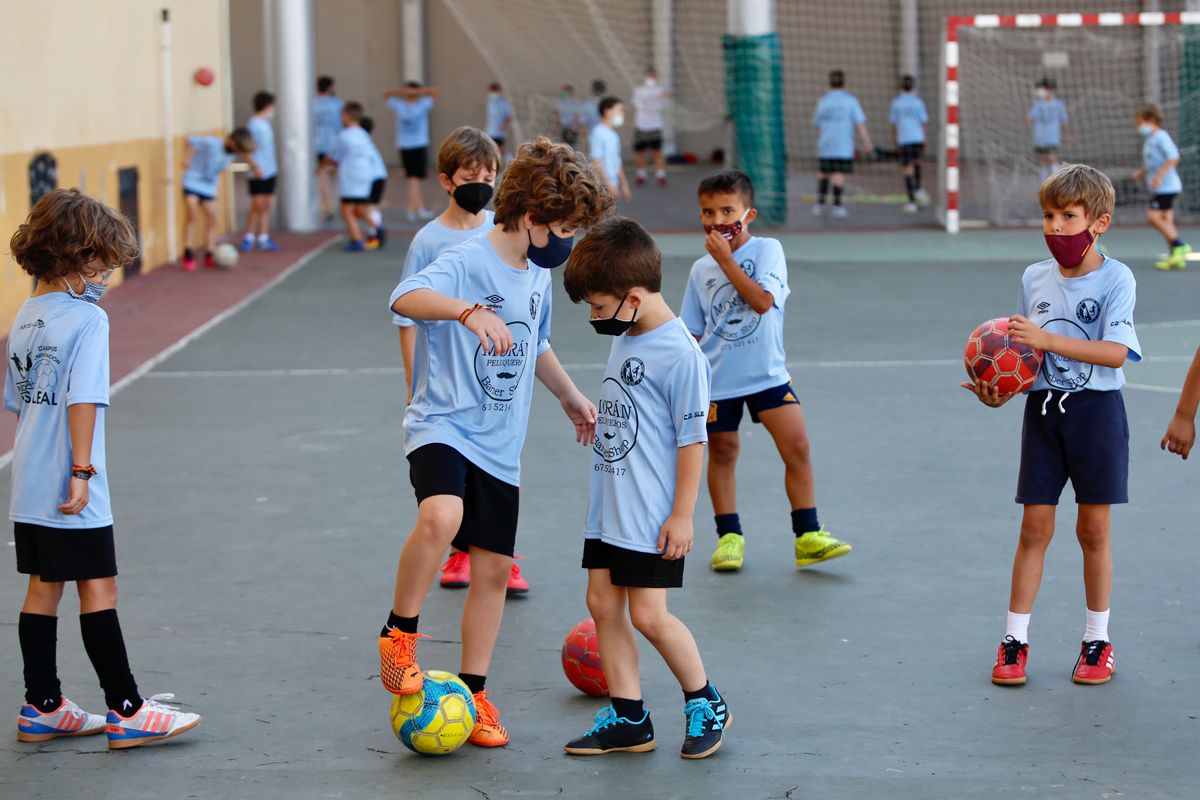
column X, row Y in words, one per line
column 1093, row 528
column 415, row 202
column 438, row 520
column 786, row 426
column 350, row 217
column 98, row 594
column 723, row 449
column 42, row 597
column 1164, row 223
column 210, row 224
column 670, row 637
column 660, row 161
column 614, row 635
column 191, row 205
column 484, row 609
column 1037, row 529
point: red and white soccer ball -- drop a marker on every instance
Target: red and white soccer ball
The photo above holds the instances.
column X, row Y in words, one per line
column 581, row 660
column 993, row 358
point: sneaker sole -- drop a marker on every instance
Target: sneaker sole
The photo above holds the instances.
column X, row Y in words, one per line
column 808, row 562
column 125, row 744
column 401, row 690
column 1092, row 681
column 454, row 584
column 644, row 747
column 488, row 744
column 45, row 737
column 726, row 566
column 519, row 592
column 1008, row 681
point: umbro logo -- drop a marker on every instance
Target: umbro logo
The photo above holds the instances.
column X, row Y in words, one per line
column 1043, row 308
column 494, row 299
column 711, row 282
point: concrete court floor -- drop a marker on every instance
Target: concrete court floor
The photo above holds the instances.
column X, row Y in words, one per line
column 262, row 496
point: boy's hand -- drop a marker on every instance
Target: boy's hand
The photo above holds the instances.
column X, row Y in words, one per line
column 1022, row 331
column 1138, row 174
column 78, row 498
column 1180, row 436
column 258, row 173
column 582, row 414
column 675, row 538
column 494, row 335
column 1156, row 180
column 988, row 395
column 717, row 247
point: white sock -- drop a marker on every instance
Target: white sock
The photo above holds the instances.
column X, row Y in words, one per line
column 376, row 218
column 1097, row 626
column 249, row 237
column 641, row 173
column 264, row 237
column 662, row 173
column 1018, row 626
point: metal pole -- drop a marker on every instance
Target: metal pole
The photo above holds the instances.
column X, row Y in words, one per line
column 910, row 39
column 227, row 113
column 412, row 33
column 750, row 17
column 168, row 78
column 295, row 59
column 664, row 63
column 1152, row 76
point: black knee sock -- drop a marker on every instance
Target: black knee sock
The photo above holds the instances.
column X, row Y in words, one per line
column 917, row 175
column 837, row 195
column 475, row 683
column 403, row 624
column 632, row 710
column 822, row 190
column 188, row 254
column 910, row 186
column 804, row 520
column 39, row 636
column 106, row 648
column 728, row 523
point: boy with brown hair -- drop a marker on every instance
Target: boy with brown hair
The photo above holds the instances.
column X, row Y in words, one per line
column 483, row 332
column 648, row 456
column 1076, row 307
column 207, row 158
column 1160, row 157
column 57, row 385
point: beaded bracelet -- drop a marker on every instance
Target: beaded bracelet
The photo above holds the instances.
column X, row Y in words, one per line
column 462, row 318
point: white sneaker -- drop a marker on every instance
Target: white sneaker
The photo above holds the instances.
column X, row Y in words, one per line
column 838, row 212
column 818, row 209
column 910, row 208
column 922, row 198
column 152, row 722
column 67, row 720
column 425, row 213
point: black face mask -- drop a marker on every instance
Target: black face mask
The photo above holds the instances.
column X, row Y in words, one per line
column 613, row 326
column 472, row 197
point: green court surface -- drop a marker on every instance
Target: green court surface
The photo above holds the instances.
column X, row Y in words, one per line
column 262, row 496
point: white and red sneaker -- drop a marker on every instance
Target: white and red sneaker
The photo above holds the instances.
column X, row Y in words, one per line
column 1095, row 664
column 153, row 722
column 1010, row 662
column 67, row 720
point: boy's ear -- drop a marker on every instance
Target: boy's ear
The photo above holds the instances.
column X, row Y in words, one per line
column 751, row 215
column 634, row 297
column 1102, row 222
column 446, row 182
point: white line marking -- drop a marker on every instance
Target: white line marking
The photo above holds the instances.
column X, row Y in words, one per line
column 1179, row 323
column 1146, row 387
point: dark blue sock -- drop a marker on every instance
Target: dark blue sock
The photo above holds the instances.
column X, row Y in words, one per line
column 1177, row 242
column 728, row 523
column 804, row 520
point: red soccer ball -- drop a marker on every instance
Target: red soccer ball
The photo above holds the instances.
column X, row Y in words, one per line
column 581, row 659
column 204, row 76
column 999, row 362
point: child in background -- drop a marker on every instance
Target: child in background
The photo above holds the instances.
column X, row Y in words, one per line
column 604, row 147
column 1047, row 117
column 568, row 115
column 207, row 158
column 352, row 152
column 265, row 169
column 908, row 117
column 1160, row 158
column 649, row 101
column 327, row 124
column 378, row 185
column 837, row 116
column 499, row 117
column 411, row 105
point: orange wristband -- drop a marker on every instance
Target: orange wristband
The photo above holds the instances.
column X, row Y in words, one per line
column 462, row 318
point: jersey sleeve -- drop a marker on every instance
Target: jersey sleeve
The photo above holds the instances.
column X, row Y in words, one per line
column 1168, row 148
column 894, row 112
column 595, row 147
column 11, row 401
column 771, row 273
column 924, row 112
column 1063, row 116
column 858, row 115
column 444, row 276
column 692, row 312
column 544, row 317
column 87, row 381
column 414, row 260
column 1117, row 317
column 1023, row 297
column 687, row 397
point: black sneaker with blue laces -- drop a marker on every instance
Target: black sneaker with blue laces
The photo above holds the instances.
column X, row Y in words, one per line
column 613, row 734
column 707, row 721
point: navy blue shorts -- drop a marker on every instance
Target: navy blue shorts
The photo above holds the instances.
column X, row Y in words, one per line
column 1162, row 202
column 726, row 415
column 1082, row 436
column 490, row 506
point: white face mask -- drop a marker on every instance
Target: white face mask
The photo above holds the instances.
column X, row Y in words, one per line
column 1043, row 94
column 618, row 120
column 651, row 80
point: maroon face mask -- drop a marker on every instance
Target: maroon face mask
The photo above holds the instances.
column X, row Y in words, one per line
column 728, row 230
column 1069, row 251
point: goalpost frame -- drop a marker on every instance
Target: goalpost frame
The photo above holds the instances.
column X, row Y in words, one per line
column 948, row 159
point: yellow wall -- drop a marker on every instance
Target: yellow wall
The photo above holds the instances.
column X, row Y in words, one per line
column 83, row 80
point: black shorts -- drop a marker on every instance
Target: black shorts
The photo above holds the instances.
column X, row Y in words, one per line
column 1045, row 151
column 415, row 161
column 828, row 165
column 205, row 198
column 490, row 505
column 647, row 140
column 65, row 554
column 321, row 157
column 262, row 185
column 726, row 415
column 377, row 187
column 910, row 153
column 631, row 568
column 349, row 201
column 500, row 140
column 1162, row 202
column 1083, row 437
column 570, row 136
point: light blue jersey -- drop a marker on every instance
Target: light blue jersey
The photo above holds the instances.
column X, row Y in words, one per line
column 653, row 401
column 429, row 243
column 354, row 153
column 474, row 401
column 209, row 159
column 589, row 112
column 412, row 121
column 745, row 348
column 836, row 116
column 1097, row 306
column 327, row 113
column 909, row 116
column 57, row 357
column 1047, row 117
column 379, row 170
column 604, row 145
column 264, row 152
column 568, row 112
column 499, row 112
column 1157, row 150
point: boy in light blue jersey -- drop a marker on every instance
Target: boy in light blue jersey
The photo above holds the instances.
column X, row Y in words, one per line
column 589, row 109
column 483, row 318
column 1047, row 117
column 379, row 176
column 734, row 306
column 647, row 458
column 207, row 158
column 908, row 117
column 604, row 147
column 1160, row 157
column 265, row 170
column 499, row 117
column 327, row 124
column 568, row 115
column 354, row 153
column 411, row 105
column 837, row 116
column 1077, row 308
column 57, row 385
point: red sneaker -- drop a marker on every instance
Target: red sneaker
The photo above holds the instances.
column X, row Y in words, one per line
column 517, row 584
column 1095, row 663
column 189, row 264
column 662, row 180
column 1010, row 663
column 456, row 572
column 209, row 261
column 640, row 180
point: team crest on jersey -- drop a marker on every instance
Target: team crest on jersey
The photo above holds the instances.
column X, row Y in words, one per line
column 632, row 371
column 616, row 422
column 1088, row 310
column 535, row 303
column 732, row 316
column 748, row 267
column 1066, row 374
column 500, row 375
column 38, row 383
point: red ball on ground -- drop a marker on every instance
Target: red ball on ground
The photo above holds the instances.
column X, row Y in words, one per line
column 581, row 659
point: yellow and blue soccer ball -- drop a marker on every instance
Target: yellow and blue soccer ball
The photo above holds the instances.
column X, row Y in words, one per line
column 436, row 720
